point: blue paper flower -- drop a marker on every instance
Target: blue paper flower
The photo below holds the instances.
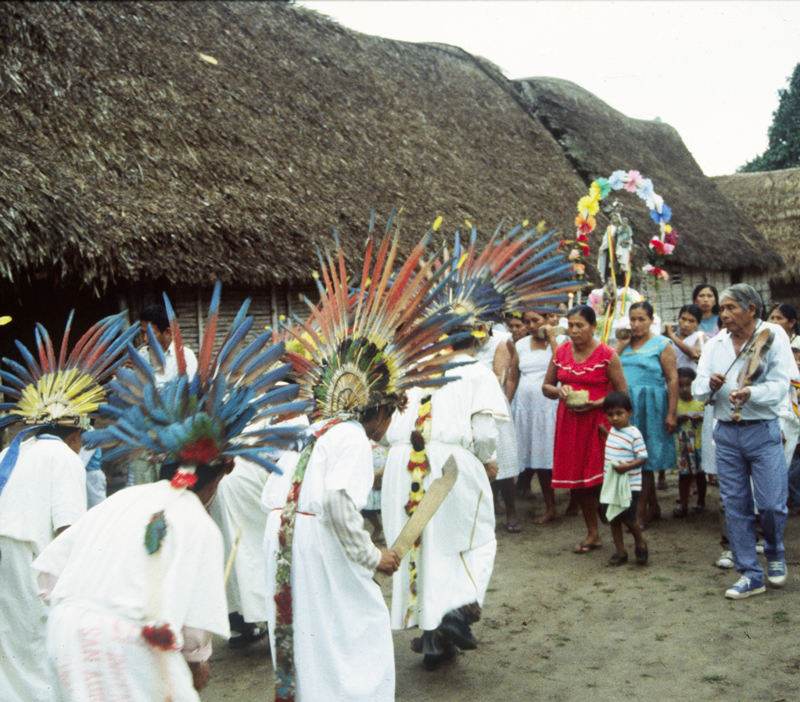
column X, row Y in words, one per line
column 663, row 216
column 615, row 181
column 645, row 191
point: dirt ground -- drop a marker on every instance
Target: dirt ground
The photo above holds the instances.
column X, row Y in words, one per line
column 559, row 626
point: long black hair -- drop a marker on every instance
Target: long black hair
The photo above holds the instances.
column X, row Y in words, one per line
column 696, row 292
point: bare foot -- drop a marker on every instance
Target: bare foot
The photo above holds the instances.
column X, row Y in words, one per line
column 546, row 517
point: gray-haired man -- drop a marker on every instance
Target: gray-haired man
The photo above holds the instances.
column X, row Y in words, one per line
column 751, row 448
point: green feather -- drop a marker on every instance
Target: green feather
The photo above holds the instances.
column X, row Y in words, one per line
column 155, row 532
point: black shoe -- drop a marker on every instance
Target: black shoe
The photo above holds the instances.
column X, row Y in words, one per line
column 432, row 661
column 251, row 635
column 456, row 630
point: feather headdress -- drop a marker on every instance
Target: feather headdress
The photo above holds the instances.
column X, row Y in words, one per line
column 366, row 346
column 513, row 273
column 65, row 388
column 196, row 420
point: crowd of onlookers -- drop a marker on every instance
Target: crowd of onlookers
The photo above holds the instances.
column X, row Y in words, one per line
column 568, row 392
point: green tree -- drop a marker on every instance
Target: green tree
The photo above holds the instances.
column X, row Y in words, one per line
column 783, row 150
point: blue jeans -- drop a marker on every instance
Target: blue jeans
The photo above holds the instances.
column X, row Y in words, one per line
column 745, row 451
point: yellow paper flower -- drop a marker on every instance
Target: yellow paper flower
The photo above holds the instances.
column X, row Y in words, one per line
column 594, row 191
column 587, row 205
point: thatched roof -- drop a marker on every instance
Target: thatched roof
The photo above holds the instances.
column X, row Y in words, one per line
column 598, row 140
column 771, row 201
column 126, row 154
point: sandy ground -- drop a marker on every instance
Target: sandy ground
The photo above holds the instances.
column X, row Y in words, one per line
column 559, row 626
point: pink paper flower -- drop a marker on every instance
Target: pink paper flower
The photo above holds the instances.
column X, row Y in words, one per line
column 634, row 179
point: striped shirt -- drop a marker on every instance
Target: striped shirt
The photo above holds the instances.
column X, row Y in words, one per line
column 623, row 446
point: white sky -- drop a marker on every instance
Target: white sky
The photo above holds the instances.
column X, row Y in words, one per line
column 710, row 69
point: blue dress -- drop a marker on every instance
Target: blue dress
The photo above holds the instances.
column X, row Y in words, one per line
column 710, row 325
column 648, row 392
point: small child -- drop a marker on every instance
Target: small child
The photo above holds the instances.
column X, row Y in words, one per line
column 688, row 445
column 625, row 454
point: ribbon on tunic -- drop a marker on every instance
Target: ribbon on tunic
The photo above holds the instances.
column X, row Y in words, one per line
column 284, row 616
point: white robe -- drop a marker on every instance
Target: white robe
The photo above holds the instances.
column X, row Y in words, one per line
column 45, row 492
column 342, row 640
column 101, row 597
column 458, row 544
column 238, row 502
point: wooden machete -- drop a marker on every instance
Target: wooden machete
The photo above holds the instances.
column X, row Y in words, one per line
column 431, row 501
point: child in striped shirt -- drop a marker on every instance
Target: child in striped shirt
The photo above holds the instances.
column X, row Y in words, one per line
column 626, row 453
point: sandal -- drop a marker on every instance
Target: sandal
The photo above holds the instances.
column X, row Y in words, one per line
column 641, row 555
column 679, row 512
column 617, row 560
column 514, row 527
column 697, row 509
column 585, row 548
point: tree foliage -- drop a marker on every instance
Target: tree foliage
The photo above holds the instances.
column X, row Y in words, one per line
column 783, row 150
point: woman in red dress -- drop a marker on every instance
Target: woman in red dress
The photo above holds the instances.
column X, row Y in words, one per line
column 582, row 363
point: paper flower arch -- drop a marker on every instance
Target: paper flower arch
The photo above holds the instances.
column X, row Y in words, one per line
column 661, row 246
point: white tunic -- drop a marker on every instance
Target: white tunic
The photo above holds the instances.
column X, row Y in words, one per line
column 458, row 545
column 45, row 492
column 534, row 414
column 238, row 503
column 342, row 640
column 102, row 593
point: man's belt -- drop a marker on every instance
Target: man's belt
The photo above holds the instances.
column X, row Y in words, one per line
column 744, row 422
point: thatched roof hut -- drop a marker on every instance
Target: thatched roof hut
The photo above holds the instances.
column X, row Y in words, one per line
column 771, row 201
column 203, row 141
column 598, row 140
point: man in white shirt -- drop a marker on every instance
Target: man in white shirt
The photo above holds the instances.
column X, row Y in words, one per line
column 156, row 317
column 752, row 447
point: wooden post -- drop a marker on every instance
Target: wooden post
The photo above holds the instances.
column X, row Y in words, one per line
column 273, row 306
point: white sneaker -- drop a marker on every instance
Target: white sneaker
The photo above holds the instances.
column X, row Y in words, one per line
column 776, row 572
column 725, row 560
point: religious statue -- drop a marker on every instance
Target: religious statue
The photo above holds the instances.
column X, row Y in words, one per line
column 619, row 237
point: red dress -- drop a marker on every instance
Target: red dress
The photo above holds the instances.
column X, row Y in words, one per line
column 579, row 449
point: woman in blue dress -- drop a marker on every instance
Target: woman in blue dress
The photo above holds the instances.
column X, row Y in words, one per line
column 706, row 297
column 651, row 370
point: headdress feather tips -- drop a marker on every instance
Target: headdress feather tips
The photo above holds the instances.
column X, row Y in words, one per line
column 510, row 273
column 364, row 347
column 49, row 389
column 200, row 419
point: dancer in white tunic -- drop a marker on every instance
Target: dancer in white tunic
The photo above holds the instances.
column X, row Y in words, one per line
column 458, row 548
column 534, row 414
column 43, row 486
column 138, row 585
column 356, row 356
column 444, row 577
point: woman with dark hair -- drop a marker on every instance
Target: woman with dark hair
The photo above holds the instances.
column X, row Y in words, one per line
column 706, row 297
column 581, row 373
column 688, row 341
column 785, row 316
column 651, row 371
